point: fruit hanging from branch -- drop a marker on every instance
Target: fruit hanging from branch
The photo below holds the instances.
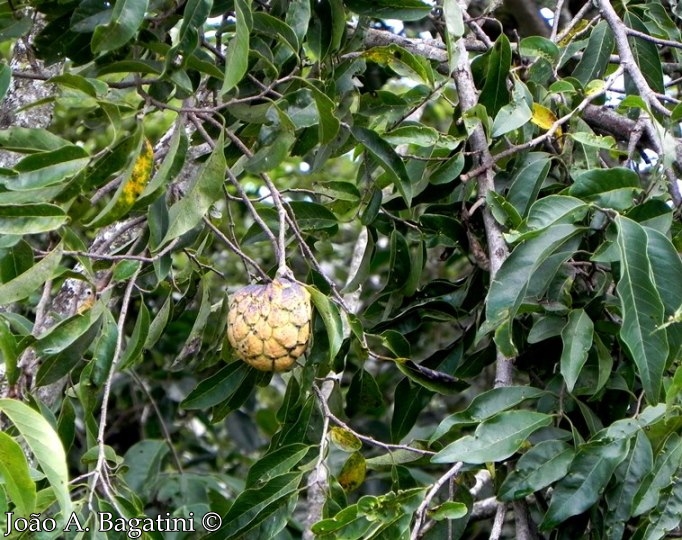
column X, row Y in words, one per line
column 269, row 325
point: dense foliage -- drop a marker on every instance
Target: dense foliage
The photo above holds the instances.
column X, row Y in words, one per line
column 486, row 219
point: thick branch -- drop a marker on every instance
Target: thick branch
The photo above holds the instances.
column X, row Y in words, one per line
column 627, row 59
column 497, row 247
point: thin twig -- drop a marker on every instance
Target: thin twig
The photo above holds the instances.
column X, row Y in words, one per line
column 233, row 180
column 652, row 39
column 627, row 58
column 498, row 523
column 233, row 247
column 162, row 423
column 557, row 18
column 99, row 476
column 476, row 171
column 364, row 438
column 420, row 513
column 318, row 479
column 587, row 6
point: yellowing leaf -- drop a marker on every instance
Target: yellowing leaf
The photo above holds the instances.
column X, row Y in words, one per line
column 542, row 116
column 352, row 473
column 344, row 439
column 594, row 87
column 582, row 25
column 139, row 176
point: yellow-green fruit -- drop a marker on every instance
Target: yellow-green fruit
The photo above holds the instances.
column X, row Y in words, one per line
column 269, row 325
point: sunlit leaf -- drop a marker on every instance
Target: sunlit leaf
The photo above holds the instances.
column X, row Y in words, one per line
column 126, row 18
column 595, row 59
column 495, row 439
column 32, row 279
column 45, row 445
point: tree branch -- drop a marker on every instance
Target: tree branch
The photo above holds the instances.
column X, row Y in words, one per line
column 497, row 247
column 627, row 59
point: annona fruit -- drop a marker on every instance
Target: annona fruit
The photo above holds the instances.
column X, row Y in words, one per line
column 269, row 325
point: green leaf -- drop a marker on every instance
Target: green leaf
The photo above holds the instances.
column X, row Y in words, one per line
column 508, row 290
column 29, row 140
column 30, row 218
column 328, row 123
column 68, row 331
column 326, row 27
column 103, row 350
column 495, row 439
column 663, row 475
column 279, row 461
column 237, row 55
column 218, row 387
column 47, row 168
column 143, row 461
column 454, row 19
column 646, row 53
column 388, row 158
column 504, row 212
column 666, row 517
column 642, row 308
column 44, row 442
column 399, row 263
column 255, row 504
column 137, row 339
column 510, row 117
column 126, row 18
column 590, row 139
column 541, row 466
column 205, row 189
column 448, row 171
column 448, row 510
column 495, row 94
column 577, row 340
column 9, row 353
column 629, row 477
column 527, row 181
column 273, row 27
column 595, row 59
column 53, row 367
column 193, row 17
column 667, row 277
column 331, row 317
column 539, row 47
column 555, row 209
column 32, row 279
column 487, row 405
column 412, row 134
column 609, row 188
column 270, row 156
column 5, row 79
column 364, row 395
column 403, row 10
column 587, row 476
column 402, row 61
column 16, row 476
column 431, row 379
column 172, row 163
column 15, row 25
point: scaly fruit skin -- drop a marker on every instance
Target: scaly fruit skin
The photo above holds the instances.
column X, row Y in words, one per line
column 269, row 325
